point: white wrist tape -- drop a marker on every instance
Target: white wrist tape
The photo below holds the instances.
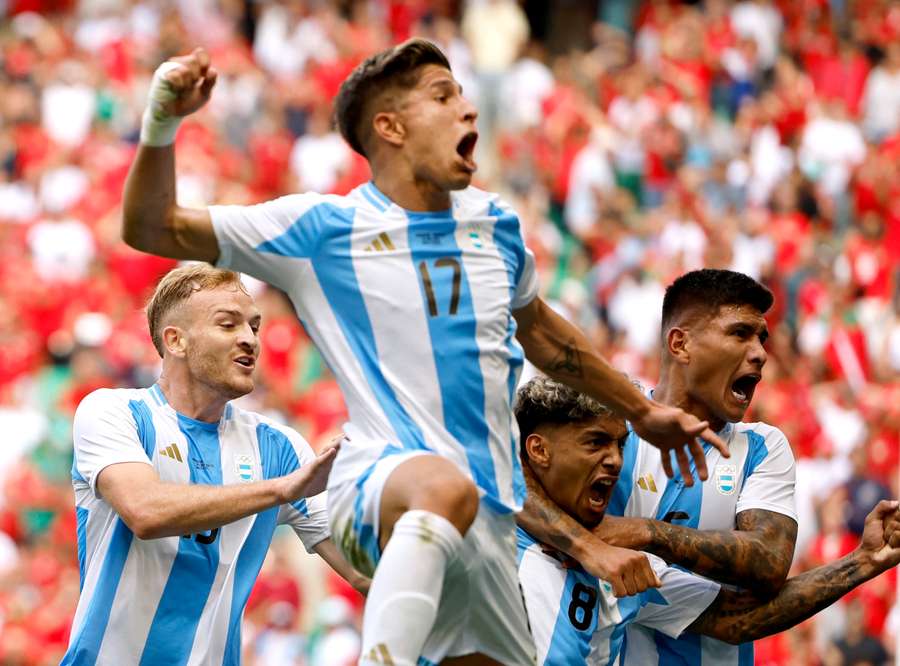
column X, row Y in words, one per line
column 158, row 128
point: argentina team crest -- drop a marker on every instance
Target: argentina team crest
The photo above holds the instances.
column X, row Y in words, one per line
column 243, row 465
column 726, row 479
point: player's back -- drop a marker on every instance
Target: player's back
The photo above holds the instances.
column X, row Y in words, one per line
column 412, row 311
column 176, row 599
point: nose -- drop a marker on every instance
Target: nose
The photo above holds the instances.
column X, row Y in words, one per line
column 612, row 459
column 248, row 338
column 469, row 112
column 758, row 354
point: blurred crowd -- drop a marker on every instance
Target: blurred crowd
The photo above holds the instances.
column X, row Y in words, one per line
column 638, row 140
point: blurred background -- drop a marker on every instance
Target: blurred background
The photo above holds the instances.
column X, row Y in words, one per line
column 637, row 140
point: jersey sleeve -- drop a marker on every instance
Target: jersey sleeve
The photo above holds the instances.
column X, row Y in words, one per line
column 307, row 516
column 105, row 433
column 250, row 237
column 769, row 483
column 678, row 602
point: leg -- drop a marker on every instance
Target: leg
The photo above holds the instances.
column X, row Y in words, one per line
column 426, row 507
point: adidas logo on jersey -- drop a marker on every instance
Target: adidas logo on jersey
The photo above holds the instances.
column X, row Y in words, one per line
column 172, row 452
column 380, row 244
column 380, row 655
column 646, row 482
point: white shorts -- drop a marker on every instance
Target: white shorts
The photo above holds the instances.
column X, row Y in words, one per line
column 482, row 609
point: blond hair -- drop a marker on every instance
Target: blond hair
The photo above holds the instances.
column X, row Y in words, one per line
column 176, row 286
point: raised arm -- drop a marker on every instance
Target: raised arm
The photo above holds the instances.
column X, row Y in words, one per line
column 564, row 353
column 756, row 555
column 153, row 222
column 739, row 616
column 152, row 508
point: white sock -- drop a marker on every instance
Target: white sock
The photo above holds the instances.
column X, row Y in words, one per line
column 406, row 591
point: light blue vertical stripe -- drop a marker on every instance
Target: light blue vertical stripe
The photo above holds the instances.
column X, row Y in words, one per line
column 143, row 419
column 569, row 645
column 682, row 499
column 628, row 610
column 454, row 345
column 621, row 493
column 327, row 227
column 184, row 596
column 85, row 646
column 253, row 552
column 757, row 451
column 372, row 198
column 81, row 518
column 379, row 195
column 274, row 445
column 508, row 239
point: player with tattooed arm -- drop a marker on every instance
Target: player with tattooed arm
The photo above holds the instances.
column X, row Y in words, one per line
column 574, row 446
column 738, row 527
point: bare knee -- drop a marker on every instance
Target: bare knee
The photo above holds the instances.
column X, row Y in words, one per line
column 429, row 483
column 452, row 496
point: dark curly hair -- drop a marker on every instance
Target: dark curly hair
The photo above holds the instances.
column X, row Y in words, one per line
column 371, row 84
column 709, row 289
column 543, row 400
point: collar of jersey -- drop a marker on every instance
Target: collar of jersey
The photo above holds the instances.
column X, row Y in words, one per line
column 446, row 214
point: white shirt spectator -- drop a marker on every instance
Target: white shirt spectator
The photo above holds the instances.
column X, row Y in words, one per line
column 528, row 84
column 61, row 250
column 67, row 111
column 829, row 149
column 317, row 160
column 62, row 187
column 284, row 49
column 760, row 21
column 881, row 101
column 17, row 202
column 635, row 308
column 591, row 176
column 496, row 30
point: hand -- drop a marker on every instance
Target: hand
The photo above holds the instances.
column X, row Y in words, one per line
column 311, row 479
column 628, row 571
column 669, row 429
column 623, row 532
column 191, row 82
column 882, row 550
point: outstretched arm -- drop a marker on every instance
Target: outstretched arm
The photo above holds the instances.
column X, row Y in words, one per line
column 329, row 552
column 152, row 508
column 739, row 616
column 152, row 220
column 564, row 353
column 755, row 555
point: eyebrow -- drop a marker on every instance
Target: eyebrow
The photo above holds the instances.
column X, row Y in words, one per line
column 235, row 313
column 447, row 83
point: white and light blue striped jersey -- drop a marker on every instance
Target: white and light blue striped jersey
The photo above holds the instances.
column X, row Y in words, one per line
column 179, row 599
column 759, row 475
column 412, row 312
column 576, row 619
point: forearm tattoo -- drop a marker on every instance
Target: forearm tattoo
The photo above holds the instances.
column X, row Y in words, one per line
column 757, row 555
column 737, row 616
column 568, row 361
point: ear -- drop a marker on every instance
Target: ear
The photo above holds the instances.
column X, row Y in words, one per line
column 678, row 344
column 388, row 126
column 174, row 341
column 538, row 450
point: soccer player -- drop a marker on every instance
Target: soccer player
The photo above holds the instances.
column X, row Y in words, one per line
column 178, row 491
column 574, row 446
column 739, row 527
column 415, row 287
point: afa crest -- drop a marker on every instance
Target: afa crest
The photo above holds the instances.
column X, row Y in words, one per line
column 243, row 465
column 726, row 479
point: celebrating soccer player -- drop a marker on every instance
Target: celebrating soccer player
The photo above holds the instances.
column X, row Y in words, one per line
column 415, row 287
column 178, row 491
column 574, row 446
column 739, row 526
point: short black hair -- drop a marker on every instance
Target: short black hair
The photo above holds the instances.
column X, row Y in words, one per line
column 709, row 289
column 546, row 401
column 396, row 67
